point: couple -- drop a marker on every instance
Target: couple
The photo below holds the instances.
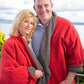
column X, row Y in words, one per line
column 53, row 56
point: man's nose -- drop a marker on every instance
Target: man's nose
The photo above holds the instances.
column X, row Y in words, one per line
column 43, row 8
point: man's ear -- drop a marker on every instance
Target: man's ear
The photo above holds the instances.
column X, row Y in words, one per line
column 34, row 8
column 52, row 5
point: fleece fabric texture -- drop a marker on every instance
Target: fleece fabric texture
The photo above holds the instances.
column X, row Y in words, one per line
column 15, row 59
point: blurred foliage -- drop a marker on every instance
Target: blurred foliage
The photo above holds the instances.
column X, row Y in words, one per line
column 2, row 40
column 0, row 54
column 81, row 79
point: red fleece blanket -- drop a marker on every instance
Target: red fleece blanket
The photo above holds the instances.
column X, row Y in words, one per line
column 15, row 59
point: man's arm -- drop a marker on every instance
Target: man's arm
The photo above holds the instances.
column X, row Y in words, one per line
column 69, row 79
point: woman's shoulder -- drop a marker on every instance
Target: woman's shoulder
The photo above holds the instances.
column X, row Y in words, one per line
column 10, row 41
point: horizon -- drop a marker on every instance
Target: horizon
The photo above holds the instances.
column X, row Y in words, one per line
column 10, row 21
column 6, row 26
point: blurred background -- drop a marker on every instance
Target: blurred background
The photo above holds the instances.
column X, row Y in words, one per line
column 72, row 10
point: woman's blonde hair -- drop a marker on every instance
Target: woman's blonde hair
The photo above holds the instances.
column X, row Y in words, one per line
column 22, row 16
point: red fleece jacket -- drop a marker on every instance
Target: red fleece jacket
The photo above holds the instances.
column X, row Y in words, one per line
column 66, row 52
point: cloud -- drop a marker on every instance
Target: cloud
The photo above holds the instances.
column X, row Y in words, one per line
column 29, row 1
column 68, row 5
column 74, row 16
column 11, row 3
column 28, row 4
column 71, row 9
column 9, row 8
column 8, row 14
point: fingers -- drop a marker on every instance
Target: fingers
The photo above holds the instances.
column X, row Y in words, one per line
column 38, row 74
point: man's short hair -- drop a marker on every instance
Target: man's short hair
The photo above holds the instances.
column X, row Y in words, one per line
column 35, row 0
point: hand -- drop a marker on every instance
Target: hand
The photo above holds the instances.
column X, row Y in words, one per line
column 38, row 73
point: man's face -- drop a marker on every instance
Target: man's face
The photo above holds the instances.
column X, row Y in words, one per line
column 43, row 9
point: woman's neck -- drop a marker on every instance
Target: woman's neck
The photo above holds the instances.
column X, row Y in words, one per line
column 27, row 41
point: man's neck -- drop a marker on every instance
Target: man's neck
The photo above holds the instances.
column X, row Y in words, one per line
column 45, row 23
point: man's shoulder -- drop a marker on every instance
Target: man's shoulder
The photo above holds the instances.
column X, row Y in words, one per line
column 63, row 24
column 62, row 20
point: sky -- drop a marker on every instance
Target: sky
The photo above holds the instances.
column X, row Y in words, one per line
column 73, row 10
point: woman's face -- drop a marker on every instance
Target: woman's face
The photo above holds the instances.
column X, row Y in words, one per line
column 26, row 26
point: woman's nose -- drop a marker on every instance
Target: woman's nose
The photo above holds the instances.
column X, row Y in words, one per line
column 28, row 24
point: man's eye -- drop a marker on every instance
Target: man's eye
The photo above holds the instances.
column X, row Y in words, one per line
column 39, row 7
column 46, row 5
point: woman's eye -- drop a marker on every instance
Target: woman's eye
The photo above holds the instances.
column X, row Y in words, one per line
column 25, row 21
column 32, row 23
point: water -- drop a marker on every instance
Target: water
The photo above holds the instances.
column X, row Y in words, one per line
column 80, row 29
column 5, row 27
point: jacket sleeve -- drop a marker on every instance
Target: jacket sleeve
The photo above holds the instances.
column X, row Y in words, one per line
column 11, row 71
column 74, row 50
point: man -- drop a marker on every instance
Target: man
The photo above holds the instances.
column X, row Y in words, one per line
column 56, row 44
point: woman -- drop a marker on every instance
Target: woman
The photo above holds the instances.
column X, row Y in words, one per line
column 18, row 66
